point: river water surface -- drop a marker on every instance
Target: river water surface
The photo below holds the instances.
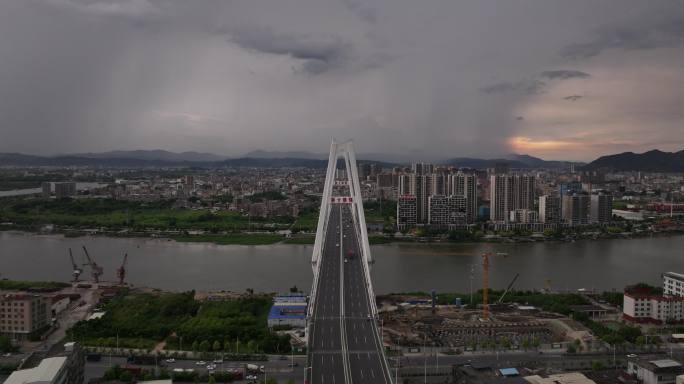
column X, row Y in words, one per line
column 603, row 264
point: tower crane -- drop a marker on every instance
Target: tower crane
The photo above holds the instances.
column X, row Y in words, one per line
column 95, row 270
column 121, row 271
column 75, row 270
column 485, row 281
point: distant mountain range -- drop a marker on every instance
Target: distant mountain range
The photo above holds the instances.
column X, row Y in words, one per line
column 264, row 159
column 142, row 159
column 651, row 161
column 153, row 155
column 512, row 160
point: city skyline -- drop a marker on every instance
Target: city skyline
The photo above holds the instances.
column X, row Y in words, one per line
column 554, row 80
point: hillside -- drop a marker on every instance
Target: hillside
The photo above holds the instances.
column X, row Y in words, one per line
column 651, row 161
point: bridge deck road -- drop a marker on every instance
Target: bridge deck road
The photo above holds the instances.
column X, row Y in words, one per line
column 326, row 338
column 366, row 362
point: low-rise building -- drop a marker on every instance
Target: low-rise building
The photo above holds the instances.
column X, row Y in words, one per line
column 664, row 371
column 560, row 378
column 289, row 309
column 64, row 369
column 286, row 314
column 22, row 314
column 643, row 307
column 673, row 284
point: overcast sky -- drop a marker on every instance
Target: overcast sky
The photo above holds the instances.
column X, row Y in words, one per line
column 433, row 78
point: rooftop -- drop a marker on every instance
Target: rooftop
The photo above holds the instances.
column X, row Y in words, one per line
column 45, row 372
column 287, row 312
column 561, row 378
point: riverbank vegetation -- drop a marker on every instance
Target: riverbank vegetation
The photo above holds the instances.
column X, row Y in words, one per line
column 36, row 286
column 147, row 319
column 233, row 239
column 160, row 215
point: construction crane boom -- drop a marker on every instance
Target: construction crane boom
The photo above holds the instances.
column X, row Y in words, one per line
column 121, row 271
column 508, row 288
column 95, row 270
column 75, row 270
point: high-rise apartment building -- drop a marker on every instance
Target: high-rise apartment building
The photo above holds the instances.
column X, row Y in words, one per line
column 508, row 193
column 500, row 198
column 524, row 216
column 447, row 212
column 66, row 189
column 419, row 186
column 575, row 209
column 46, row 187
column 422, row 168
column 22, row 314
column 523, row 191
column 549, row 209
column 601, row 208
column 438, row 184
column 406, row 212
column 462, row 184
column 364, row 170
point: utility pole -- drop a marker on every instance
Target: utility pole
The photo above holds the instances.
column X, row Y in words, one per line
column 425, row 356
column 472, row 275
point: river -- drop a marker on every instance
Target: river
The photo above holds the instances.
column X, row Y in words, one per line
column 603, row 264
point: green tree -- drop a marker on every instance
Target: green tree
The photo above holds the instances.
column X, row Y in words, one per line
column 195, row 346
column 526, row 344
column 640, row 341
column 204, row 346
column 5, row 344
column 217, row 346
column 211, row 380
column 126, row 376
column 597, row 365
column 535, row 342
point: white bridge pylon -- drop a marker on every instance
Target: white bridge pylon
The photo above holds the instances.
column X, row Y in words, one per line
column 342, row 150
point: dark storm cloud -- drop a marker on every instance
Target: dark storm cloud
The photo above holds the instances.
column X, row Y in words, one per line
column 317, row 54
column 572, row 97
column 650, row 33
column 535, row 85
column 564, row 74
column 361, row 10
column 430, row 78
column 529, row 87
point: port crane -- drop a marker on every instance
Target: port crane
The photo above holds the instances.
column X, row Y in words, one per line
column 75, row 270
column 121, row 271
column 95, row 270
column 485, row 281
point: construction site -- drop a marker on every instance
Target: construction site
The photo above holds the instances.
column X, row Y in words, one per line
column 424, row 320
